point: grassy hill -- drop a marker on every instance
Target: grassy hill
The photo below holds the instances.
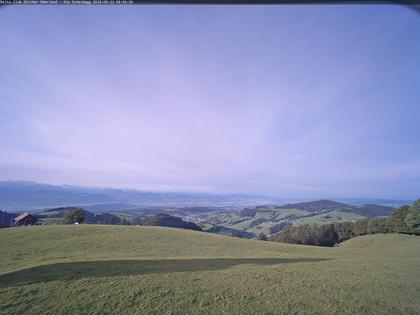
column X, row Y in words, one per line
column 96, row 269
column 272, row 219
column 166, row 220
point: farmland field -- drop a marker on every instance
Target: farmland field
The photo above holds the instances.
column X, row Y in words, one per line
column 94, row 269
column 330, row 217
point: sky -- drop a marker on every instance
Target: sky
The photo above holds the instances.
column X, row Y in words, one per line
column 289, row 101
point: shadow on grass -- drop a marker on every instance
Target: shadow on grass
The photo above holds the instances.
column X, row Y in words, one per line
column 117, row 268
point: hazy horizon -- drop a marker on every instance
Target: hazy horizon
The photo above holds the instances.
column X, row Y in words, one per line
column 289, row 101
column 274, row 198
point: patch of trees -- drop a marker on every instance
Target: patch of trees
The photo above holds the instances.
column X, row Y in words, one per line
column 321, row 235
column 280, row 227
column 405, row 219
column 262, row 236
column 248, row 212
column 258, row 221
column 74, row 215
column 125, row 222
column 370, row 210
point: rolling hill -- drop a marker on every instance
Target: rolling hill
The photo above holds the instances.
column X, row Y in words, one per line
column 315, row 206
column 95, row 269
column 166, row 220
column 318, row 206
column 271, row 219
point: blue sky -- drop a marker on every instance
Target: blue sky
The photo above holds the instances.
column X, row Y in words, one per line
column 293, row 101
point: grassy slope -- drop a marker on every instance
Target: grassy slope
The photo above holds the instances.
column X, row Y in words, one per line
column 53, row 220
column 276, row 215
column 333, row 216
column 142, row 270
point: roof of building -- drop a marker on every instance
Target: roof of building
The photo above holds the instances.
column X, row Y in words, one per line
column 22, row 216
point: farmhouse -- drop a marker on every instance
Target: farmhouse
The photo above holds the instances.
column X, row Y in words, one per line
column 25, row 219
column 6, row 219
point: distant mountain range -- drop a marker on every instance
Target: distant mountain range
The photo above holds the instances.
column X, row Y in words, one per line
column 17, row 195
column 26, row 195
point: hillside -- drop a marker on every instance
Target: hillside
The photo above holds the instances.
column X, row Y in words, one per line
column 318, row 206
column 370, row 210
column 166, row 220
column 153, row 270
column 315, row 206
column 272, row 219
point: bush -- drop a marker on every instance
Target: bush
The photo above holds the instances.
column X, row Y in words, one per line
column 396, row 221
column 262, row 237
column 412, row 219
column 361, row 227
column 125, row 222
column 378, row 225
column 322, row 235
column 345, row 230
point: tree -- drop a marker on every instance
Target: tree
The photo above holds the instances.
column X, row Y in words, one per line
column 320, row 235
column 412, row 219
column 361, row 226
column 325, row 235
column 345, row 230
column 75, row 215
column 396, row 221
column 125, row 222
column 377, row 225
column 262, row 236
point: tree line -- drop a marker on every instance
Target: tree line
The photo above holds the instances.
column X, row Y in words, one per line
column 405, row 219
column 80, row 215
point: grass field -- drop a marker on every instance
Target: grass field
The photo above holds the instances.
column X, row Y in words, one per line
column 277, row 216
column 93, row 269
column 53, row 220
column 330, row 217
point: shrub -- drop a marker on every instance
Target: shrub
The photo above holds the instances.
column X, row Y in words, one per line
column 378, row 225
column 361, row 227
column 396, row 221
column 412, row 219
column 345, row 230
column 125, row 222
column 262, row 236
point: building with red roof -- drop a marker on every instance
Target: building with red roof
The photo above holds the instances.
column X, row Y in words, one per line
column 25, row 219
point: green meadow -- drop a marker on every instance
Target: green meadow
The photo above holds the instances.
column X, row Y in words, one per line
column 98, row 269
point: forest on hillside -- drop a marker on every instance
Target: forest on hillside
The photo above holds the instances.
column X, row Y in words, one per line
column 405, row 219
